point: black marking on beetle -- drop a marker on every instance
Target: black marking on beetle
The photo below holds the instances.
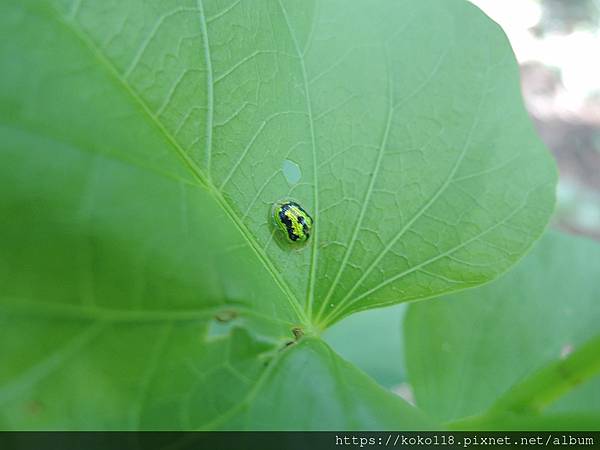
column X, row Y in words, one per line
column 304, row 225
column 288, row 223
column 290, row 214
column 307, row 215
column 302, row 209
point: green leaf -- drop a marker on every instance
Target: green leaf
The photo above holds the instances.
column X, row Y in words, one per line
column 372, row 340
column 321, row 392
column 545, row 386
column 143, row 144
column 504, row 347
column 519, row 422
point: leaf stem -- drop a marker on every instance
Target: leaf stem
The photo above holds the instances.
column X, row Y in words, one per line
column 551, row 382
column 529, row 397
column 522, row 422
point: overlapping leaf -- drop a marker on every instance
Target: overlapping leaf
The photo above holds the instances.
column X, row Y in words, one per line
column 467, row 350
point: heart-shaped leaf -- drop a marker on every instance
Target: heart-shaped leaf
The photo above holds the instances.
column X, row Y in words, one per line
column 144, row 144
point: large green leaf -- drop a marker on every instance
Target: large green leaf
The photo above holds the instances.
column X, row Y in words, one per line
column 143, row 144
column 506, row 344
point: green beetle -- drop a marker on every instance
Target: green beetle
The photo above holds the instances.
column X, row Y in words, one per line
column 293, row 220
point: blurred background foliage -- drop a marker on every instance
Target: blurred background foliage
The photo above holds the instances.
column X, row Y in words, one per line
column 557, row 44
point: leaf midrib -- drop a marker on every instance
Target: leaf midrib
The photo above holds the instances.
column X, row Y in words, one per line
column 209, row 86
column 348, row 299
column 310, row 296
column 198, row 174
column 30, row 308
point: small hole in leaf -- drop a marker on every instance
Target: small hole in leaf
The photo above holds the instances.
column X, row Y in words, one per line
column 291, row 171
